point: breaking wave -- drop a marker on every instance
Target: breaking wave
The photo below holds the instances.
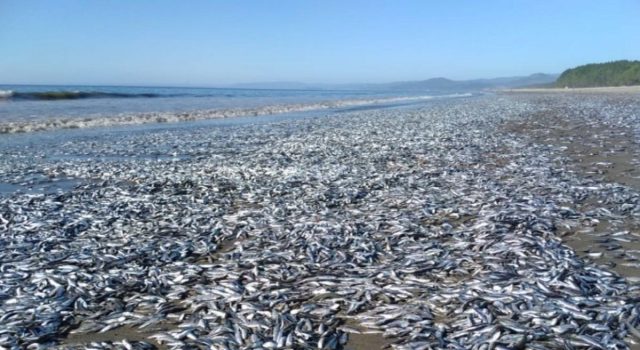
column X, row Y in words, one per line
column 172, row 117
column 70, row 95
column 5, row 94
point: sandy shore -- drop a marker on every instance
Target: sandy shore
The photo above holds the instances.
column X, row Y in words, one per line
column 596, row 90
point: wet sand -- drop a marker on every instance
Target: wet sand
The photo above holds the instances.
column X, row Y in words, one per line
column 366, row 341
column 37, row 186
column 131, row 334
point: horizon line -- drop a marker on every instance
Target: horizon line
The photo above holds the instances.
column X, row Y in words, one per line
column 239, row 85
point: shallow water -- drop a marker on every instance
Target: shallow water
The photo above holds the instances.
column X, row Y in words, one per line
column 58, row 136
column 113, row 100
column 48, row 143
column 39, row 187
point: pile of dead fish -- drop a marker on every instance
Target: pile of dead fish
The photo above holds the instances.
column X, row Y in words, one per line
column 428, row 225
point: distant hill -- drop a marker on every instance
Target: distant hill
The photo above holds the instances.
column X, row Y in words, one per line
column 435, row 84
column 475, row 84
column 616, row 73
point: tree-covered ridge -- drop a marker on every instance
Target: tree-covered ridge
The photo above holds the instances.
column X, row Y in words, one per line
column 617, row 73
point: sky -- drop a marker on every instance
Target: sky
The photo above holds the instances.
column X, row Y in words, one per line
column 209, row 43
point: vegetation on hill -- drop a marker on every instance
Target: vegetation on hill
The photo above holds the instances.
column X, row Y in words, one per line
column 617, row 73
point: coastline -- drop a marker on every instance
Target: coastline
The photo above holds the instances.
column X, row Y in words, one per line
column 26, row 126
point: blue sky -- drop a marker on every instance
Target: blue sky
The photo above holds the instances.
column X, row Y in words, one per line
column 208, row 43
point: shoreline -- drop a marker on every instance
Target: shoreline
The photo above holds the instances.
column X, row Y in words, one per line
column 27, row 126
column 589, row 90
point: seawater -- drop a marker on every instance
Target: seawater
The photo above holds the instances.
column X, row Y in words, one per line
column 25, row 102
column 39, row 108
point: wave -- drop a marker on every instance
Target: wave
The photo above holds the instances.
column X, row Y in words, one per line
column 174, row 117
column 5, row 94
column 70, row 95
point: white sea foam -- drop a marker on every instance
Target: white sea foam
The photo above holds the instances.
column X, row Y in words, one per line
column 172, row 117
column 5, row 94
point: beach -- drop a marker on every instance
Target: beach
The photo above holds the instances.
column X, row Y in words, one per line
column 506, row 220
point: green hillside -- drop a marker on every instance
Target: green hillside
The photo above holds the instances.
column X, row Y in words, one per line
column 617, row 73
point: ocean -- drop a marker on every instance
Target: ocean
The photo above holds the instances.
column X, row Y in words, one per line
column 26, row 108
